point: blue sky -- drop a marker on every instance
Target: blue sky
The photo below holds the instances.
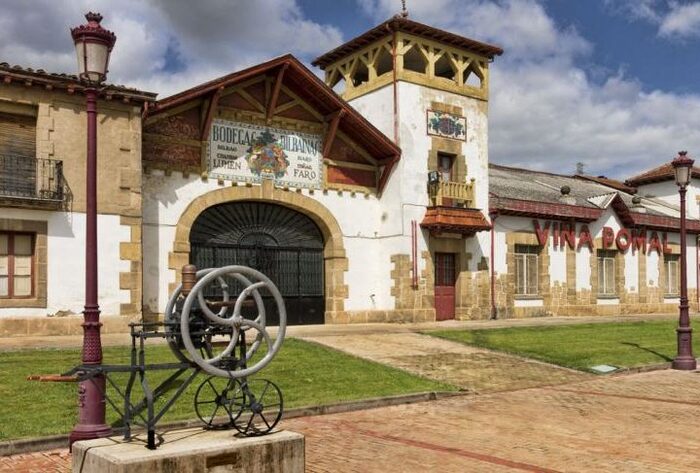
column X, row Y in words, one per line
column 611, row 83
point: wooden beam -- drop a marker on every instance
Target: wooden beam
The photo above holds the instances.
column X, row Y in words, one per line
column 349, row 165
column 211, row 109
column 275, row 92
column 333, row 128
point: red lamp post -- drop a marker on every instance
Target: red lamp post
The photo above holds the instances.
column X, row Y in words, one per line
column 684, row 360
column 93, row 45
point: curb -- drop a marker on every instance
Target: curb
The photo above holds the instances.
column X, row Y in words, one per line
column 37, row 444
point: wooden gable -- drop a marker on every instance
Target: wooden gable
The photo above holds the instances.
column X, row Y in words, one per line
column 280, row 94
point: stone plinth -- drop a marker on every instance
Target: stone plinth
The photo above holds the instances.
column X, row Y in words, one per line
column 193, row 451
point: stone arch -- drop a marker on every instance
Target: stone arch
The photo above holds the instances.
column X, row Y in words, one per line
column 335, row 260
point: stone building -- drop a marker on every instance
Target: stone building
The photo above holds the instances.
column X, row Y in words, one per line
column 367, row 196
column 42, row 200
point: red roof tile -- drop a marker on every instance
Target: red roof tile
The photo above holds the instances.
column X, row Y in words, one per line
column 658, row 174
column 454, row 220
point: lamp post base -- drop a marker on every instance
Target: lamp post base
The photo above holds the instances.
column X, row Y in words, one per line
column 91, row 401
column 687, row 363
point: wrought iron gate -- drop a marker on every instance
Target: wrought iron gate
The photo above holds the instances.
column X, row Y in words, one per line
column 283, row 244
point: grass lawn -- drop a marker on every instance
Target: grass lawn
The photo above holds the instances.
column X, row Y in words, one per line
column 307, row 374
column 581, row 346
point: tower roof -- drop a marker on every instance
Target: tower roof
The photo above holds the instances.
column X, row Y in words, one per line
column 402, row 24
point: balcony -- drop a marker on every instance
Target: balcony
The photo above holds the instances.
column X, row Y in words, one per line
column 450, row 210
column 451, row 194
column 26, row 181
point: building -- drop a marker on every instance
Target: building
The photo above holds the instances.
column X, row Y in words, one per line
column 367, row 196
column 42, row 200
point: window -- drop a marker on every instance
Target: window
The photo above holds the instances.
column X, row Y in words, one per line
column 606, row 273
column 672, row 263
column 446, row 166
column 526, row 259
column 16, row 265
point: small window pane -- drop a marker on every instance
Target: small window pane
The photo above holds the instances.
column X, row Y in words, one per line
column 532, row 274
column 4, row 288
column 4, row 265
column 23, row 265
column 4, row 243
column 23, row 245
column 23, row 286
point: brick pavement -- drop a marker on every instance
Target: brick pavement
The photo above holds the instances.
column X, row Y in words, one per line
column 644, row 422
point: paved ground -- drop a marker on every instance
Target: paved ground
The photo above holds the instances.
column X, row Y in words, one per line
column 518, row 415
column 472, row 369
column 637, row 423
column 116, row 339
column 646, row 422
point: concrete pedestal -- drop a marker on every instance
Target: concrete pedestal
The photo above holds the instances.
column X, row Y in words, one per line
column 193, row 451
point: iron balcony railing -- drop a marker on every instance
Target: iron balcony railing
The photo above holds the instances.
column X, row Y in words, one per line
column 30, row 178
column 451, row 194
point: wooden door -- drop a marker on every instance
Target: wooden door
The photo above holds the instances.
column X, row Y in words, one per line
column 445, row 277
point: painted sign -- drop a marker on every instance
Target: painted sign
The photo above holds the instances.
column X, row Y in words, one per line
column 251, row 153
column 564, row 234
column 447, row 125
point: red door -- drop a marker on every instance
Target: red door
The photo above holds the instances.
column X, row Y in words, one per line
column 445, row 286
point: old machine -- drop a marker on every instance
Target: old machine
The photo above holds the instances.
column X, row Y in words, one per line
column 215, row 326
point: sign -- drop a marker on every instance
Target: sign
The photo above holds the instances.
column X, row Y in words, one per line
column 447, row 125
column 564, row 234
column 251, row 153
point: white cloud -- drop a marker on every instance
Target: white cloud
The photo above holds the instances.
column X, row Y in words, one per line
column 682, row 21
column 673, row 19
column 545, row 110
column 210, row 38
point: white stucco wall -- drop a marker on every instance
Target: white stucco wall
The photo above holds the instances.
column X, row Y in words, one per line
column 66, row 262
column 667, row 191
column 507, row 224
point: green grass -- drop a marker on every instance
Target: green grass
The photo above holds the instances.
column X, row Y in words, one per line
column 307, row 374
column 624, row 345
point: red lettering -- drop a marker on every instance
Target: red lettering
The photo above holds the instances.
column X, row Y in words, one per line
column 567, row 235
column 654, row 244
column 639, row 241
column 608, row 237
column 623, row 239
column 585, row 238
column 542, row 233
column 666, row 249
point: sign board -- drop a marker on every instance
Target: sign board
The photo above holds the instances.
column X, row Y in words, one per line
column 251, row 153
column 447, row 125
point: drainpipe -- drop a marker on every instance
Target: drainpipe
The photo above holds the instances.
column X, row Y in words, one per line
column 494, row 310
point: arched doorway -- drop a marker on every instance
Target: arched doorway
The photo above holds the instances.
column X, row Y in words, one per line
column 282, row 243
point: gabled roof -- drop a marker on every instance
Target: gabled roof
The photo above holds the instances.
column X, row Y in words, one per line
column 658, row 174
column 311, row 89
column 614, row 183
column 66, row 82
column 528, row 193
column 402, row 24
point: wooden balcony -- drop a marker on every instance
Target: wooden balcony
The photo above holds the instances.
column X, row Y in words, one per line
column 451, row 194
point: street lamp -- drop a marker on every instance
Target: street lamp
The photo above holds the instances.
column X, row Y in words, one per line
column 92, row 45
column 684, row 360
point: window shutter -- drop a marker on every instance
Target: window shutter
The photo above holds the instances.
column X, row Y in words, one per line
column 17, row 135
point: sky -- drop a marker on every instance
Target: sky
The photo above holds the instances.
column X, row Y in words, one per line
column 614, row 84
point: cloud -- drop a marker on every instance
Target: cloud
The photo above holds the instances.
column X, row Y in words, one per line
column 673, row 19
column 203, row 40
column 682, row 21
column 546, row 111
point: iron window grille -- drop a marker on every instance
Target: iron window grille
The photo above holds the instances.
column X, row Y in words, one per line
column 27, row 177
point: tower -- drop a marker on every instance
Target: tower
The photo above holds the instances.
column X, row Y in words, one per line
column 428, row 90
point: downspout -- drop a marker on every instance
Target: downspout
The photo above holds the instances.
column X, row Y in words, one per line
column 494, row 310
column 396, row 90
